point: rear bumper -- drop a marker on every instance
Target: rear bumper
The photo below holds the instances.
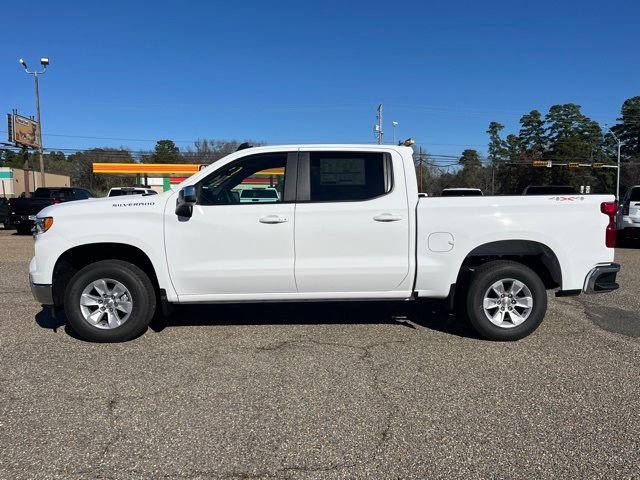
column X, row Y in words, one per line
column 629, row 222
column 602, row 278
column 42, row 293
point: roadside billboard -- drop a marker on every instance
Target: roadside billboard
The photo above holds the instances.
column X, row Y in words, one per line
column 23, row 131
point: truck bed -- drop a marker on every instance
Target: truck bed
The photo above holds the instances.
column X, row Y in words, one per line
column 29, row 206
column 450, row 228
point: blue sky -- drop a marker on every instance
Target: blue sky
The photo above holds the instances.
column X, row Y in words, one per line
column 298, row 71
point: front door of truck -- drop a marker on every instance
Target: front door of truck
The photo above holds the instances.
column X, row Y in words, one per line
column 233, row 247
column 352, row 223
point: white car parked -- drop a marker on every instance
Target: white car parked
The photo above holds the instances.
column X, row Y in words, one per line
column 258, row 195
column 350, row 225
column 629, row 212
column 120, row 191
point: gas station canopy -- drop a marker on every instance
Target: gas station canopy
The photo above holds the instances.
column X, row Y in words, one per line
column 148, row 168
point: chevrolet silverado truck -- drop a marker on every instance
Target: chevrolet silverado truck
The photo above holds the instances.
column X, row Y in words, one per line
column 349, row 225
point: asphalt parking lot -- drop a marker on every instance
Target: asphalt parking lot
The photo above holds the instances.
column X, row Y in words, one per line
column 320, row 391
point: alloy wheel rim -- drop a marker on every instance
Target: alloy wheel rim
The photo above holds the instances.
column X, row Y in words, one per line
column 106, row 303
column 507, row 303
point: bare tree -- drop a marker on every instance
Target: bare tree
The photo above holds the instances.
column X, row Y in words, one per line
column 208, row 151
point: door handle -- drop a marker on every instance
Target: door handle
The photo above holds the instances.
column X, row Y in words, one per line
column 387, row 217
column 270, row 219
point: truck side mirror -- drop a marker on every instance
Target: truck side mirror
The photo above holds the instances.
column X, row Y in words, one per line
column 186, row 199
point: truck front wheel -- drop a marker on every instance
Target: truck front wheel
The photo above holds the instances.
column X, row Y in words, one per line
column 109, row 301
column 505, row 300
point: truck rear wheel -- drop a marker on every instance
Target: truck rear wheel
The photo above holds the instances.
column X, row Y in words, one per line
column 505, row 300
column 109, row 301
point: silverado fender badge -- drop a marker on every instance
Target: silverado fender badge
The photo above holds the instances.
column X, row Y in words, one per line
column 134, row 204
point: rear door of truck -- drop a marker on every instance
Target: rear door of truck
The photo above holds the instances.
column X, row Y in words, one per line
column 352, row 222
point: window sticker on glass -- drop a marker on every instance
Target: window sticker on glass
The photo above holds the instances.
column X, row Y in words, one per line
column 342, row 171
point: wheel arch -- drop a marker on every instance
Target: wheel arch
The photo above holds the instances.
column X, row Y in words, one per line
column 78, row 257
column 535, row 255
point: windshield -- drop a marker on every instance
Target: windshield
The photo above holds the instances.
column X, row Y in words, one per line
column 635, row 195
column 50, row 193
column 258, row 193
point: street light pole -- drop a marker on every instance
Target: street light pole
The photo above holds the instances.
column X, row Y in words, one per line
column 44, row 62
column 618, row 174
column 395, row 124
column 618, row 180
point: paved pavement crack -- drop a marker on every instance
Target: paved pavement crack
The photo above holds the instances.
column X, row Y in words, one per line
column 111, row 412
column 366, row 356
column 385, row 433
column 285, row 470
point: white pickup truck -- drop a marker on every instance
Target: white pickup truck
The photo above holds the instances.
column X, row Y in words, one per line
column 348, row 223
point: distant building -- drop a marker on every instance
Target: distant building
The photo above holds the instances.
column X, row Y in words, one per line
column 12, row 181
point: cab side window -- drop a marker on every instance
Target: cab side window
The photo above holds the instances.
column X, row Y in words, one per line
column 255, row 179
column 348, row 176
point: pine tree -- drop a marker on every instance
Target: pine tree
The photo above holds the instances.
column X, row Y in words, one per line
column 497, row 148
column 628, row 128
column 532, row 138
column 166, row 151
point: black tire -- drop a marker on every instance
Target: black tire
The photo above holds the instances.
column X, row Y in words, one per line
column 23, row 229
column 622, row 238
column 480, row 282
column 133, row 278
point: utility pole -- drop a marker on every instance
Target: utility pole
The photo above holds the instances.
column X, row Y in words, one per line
column 25, row 169
column 44, row 61
column 493, row 178
column 421, row 169
column 378, row 127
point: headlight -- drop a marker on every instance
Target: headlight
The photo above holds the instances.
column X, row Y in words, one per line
column 42, row 224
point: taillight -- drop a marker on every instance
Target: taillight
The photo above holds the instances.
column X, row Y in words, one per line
column 56, row 201
column 625, row 209
column 609, row 209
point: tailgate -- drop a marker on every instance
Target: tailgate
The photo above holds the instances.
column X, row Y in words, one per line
column 29, row 206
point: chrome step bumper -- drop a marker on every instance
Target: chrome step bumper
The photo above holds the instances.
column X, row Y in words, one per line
column 602, row 278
